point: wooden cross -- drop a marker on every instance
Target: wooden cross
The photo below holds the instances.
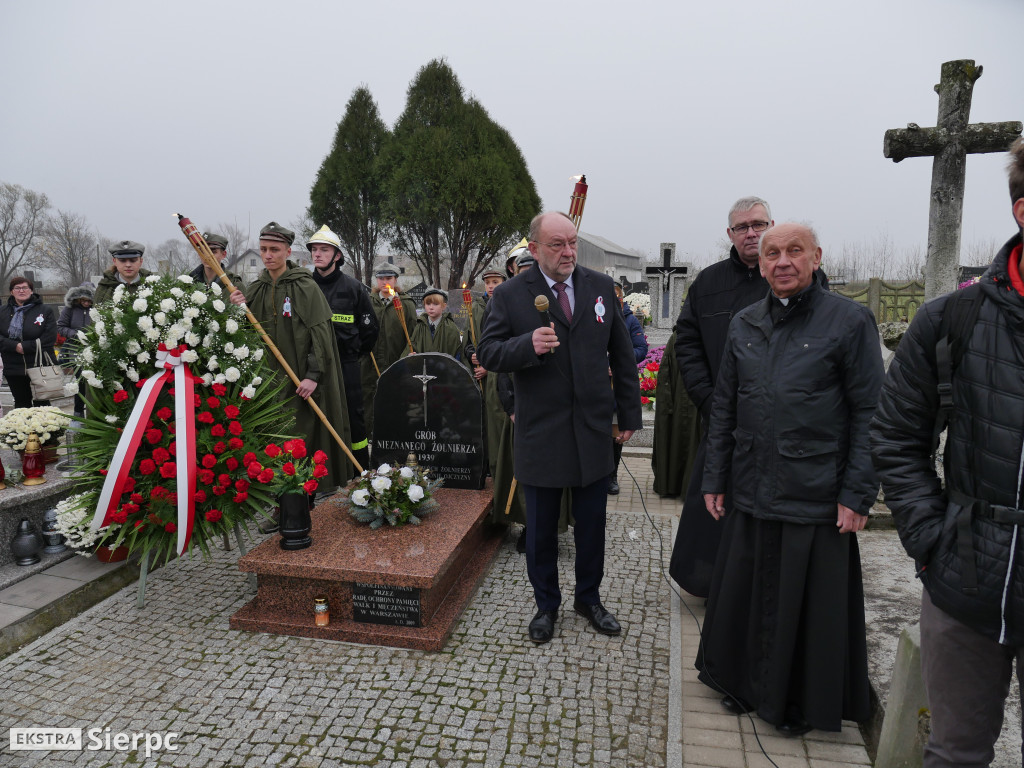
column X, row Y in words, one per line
column 949, row 143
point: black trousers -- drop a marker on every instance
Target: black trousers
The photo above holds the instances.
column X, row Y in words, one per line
column 543, row 506
column 21, row 388
column 350, row 374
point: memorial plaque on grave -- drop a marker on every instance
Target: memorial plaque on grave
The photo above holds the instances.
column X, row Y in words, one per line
column 386, row 604
column 460, row 312
column 429, row 404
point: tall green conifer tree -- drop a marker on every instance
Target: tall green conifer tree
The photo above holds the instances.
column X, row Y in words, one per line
column 349, row 192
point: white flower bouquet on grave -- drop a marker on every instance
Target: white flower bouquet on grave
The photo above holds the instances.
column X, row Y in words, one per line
column 392, row 495
column 47, row 422
column 122, row 342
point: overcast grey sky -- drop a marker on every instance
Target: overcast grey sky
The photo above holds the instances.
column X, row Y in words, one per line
column 128, row 111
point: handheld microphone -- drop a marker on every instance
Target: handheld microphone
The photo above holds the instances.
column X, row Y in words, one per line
column 542, row 304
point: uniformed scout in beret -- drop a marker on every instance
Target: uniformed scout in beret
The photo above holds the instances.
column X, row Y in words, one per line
column 391, row 341
column 436, row 330
column 126, row 269
column 494, row 414
column 204, row 274
column 355, row 327
column 293, row 311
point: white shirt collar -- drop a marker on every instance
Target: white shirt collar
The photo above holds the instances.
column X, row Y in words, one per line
column 551, row 283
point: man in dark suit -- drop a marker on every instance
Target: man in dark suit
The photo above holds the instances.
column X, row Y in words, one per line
column 564, row 406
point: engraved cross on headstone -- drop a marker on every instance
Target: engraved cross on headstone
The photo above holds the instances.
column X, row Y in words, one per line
column 949, row 143
column 424, row 378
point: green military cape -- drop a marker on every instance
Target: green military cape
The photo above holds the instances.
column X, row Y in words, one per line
column 105, row 290
column 307, row 333
column 390, row 346
column 446, row 339
column 676, row 428
column 495, row 417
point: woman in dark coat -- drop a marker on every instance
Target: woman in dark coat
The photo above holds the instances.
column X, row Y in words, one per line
column 26, row 324
column 74, row 318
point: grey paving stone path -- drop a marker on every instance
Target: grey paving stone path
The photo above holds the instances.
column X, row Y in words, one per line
column 237, row 699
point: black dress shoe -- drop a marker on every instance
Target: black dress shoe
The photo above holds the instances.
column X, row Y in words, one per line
column 598, row 617
column 613, row 487
column 795, row 727
column 542, row 627
column 736, row 706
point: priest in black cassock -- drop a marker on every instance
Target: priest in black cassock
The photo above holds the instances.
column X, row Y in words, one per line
column 784, row 632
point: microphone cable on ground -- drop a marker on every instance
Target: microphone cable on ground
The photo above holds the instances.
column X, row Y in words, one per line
column 700, row 630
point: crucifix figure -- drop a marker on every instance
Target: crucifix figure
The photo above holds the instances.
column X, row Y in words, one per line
column 660, row 280
column 424, row 378
column 949, row 143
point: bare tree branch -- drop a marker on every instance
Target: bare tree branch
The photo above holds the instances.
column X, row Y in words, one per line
column 22, row 214
column 66, row 244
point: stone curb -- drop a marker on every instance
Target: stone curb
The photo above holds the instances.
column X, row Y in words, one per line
column 41, row 621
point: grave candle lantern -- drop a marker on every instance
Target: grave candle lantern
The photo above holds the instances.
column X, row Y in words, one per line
column 32, row 462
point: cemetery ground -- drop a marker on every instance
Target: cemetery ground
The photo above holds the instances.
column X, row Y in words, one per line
column 490, row 698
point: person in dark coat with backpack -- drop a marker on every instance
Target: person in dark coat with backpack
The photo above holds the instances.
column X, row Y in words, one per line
column 74, row 317
column 965, row 535
column 27, row 326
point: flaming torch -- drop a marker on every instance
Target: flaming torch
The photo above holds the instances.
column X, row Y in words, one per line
column 210, row 260
column 396, row 302
column 467, row 302
column 578, row 199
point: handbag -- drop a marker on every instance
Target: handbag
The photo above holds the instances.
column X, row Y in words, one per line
column 47, row 378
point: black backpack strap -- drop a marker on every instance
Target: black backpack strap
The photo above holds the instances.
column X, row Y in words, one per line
column 958, row 319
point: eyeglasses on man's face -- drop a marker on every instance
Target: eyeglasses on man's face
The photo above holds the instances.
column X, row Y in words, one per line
column 559, row 245
column 757, row 226
column 22, row 288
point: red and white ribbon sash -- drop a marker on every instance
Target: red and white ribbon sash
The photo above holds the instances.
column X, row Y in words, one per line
column 171, row 367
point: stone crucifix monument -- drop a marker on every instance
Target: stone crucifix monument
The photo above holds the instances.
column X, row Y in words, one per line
column 949, row 142
column 667, row 284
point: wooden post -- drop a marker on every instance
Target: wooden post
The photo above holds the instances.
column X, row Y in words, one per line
column 949, row 143
column 875, row 297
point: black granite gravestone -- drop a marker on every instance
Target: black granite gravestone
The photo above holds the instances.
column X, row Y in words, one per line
column 429, row 404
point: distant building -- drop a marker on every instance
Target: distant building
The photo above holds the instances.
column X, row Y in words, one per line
column 605, row 256
column 249, row 264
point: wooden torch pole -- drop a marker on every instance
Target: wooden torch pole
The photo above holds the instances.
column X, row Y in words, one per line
column 211, row 261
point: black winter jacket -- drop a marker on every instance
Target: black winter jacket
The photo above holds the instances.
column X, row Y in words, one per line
column 983, row 458
column 718, row 293
column 73, row 317
column 355, row 323
column 38, row 327
column 789, row 421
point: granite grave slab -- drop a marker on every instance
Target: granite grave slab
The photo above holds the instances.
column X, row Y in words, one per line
column 403, row 587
